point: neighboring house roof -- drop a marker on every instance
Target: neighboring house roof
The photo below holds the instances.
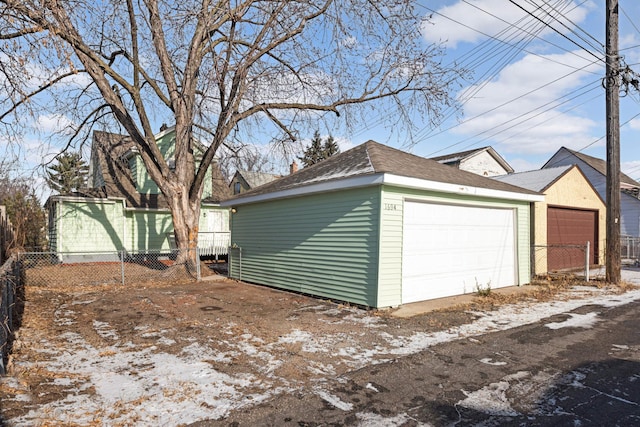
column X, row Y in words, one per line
column 372, row 163
column 256, row 179
column 454, row 159
column 536, row 180
column 112, row 178
column 597, row 164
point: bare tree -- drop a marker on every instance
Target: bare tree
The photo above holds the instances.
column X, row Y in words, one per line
column 28, row 221
column 219, row 67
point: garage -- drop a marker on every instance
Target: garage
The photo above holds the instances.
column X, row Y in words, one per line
column 449, row 249
column 379, row 227
column 567, row 227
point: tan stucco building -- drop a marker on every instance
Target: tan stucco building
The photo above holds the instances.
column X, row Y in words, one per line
column 572, row 213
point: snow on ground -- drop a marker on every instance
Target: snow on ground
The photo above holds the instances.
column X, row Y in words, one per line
column 148, row 387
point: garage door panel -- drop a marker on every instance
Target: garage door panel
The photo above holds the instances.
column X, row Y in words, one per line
column 566, row 226
column 449, row 249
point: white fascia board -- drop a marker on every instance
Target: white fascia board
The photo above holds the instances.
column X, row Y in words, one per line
column 134, row 209
column 85, row 199
column 389, row 179
column 445, row 187
column 321, row 187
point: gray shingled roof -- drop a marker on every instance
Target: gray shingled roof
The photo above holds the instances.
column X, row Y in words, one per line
column 256, row 179
column 108, row 150
column 373, row 158
column 599, row 165
column 455, row 157
column 536, row 180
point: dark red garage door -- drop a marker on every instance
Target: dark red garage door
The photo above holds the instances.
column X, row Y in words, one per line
column 570, row 227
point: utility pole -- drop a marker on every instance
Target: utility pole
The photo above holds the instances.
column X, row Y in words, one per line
column 612, row 85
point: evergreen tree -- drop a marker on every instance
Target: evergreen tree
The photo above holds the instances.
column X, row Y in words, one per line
column 319, row 150
column 69, row 174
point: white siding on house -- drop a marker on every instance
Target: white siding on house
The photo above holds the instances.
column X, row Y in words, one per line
column 483, row 164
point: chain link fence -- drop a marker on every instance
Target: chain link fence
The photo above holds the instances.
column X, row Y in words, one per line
column 561, row 260
column 630, row 250
column 101, row 268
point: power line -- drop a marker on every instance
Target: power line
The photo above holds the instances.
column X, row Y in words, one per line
column 556, row 31
column 528, row 117
column 428, row 133
column 484, row 53
column 600, row 45
column 502, row 105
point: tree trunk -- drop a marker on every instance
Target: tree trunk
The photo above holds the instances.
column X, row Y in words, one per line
column 186, row 218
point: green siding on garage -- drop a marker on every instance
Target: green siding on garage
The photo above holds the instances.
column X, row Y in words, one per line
column 389, row 286
column 392, row 204
column 324, row 244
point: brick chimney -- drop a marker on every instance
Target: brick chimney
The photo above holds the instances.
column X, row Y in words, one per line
column 293, row 168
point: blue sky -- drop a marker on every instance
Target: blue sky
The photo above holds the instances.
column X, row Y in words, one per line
column 533, row 89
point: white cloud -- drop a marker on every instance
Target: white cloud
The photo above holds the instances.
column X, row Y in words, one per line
column 523, row 165
column 489, row 17
column 631, row 168
column 520, row 109
column 635, row 124
column 54, row 123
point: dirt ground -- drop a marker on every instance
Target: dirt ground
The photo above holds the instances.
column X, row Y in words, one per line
column 243, row 322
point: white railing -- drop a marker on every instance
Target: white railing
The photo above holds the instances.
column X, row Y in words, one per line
column 210, row 243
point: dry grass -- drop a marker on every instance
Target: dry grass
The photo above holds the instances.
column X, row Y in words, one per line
column 539, row 290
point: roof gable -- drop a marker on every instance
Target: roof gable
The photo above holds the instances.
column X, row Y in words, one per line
column 596, row 164
column 256, row 179
column 459, row 157
column 112, row 177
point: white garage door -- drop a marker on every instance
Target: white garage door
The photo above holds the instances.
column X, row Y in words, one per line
column 448, row 249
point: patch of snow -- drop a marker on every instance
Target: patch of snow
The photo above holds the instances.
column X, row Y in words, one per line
column 620, row 347
column 575, row 320
column 166, row 341
column 85, row 302
column 64, row 317
column 320, row 369
column 310, row 343
column 507, row 317
column 104, row 330
column 148, row 389
column 370, row 386
column 369, row 419
column 333, row 400
column 491, row 400
column 490, row 361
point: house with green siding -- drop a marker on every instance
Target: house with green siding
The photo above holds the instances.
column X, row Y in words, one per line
column 379, row 227
column 123, row 209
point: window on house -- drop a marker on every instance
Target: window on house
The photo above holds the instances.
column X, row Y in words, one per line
column 236, row 188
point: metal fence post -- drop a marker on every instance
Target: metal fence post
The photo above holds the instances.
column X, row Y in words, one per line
column 198, row 276
column 586, row 261
column 122, row 265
